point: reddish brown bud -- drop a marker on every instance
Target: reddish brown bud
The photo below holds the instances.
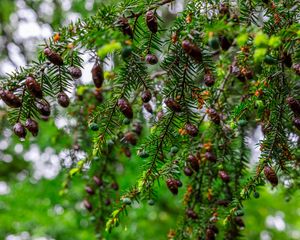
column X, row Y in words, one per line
column 271, row 175
column 224, row 176
column 87, row 205
column 193, row 161
column 19, row 130
column 130, row 138
column 125, row 108
column 125, row 27
column 151, row 21
column 10, row 99
column 294, row 104
column 210, row 156
column 32, row 126
column 44, row 108
column 63, row 99
column 214, row 115
column 97, row 75
column 146, row 96
column 191, row 214
column 53, row 57
column 89, row 190
column 34, row 87
column 172, row 185
column 75, row 72
column 191, row 129
column 173, row 105
column 151, row 59
column 209, row 79
column 192, row 50
column 148, row 107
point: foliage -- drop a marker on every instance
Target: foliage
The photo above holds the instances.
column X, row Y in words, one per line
column 224, row 69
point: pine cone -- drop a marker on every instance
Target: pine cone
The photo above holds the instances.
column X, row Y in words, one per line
column 125, row 27
column 239, row 221
column 63, row 99
column 192, row 50
column 137, row 128
column 146, row 96
column 88, row 205
column 210, row 156
column 148, row 107
column 89, row 190
column 225, row 42
column 75, row 72
column 187, row 171
column 125, row 108
column 53, row 57
column 19, row 130
column 98, row 95
column 271, row 175
column 44, row 108
column 151, row 59
column 296, row 68
column 191, row 214
column 287, row 59
column 209, row 79
column 224, row 176
column 97, row 75
column 34, row 87
column 130, row 138
column 172, row 185
column 224, row 10
column 10, row 99
column 115, row 186
column 191, row 129
column 193, row 161
column 214, row 115
column 173, row 105
column 98, row 181
column 296, row 123
column 32, row 126
column 151, row 21
column 294, row 104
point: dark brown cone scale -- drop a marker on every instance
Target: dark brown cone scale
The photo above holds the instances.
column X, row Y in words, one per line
column 125, row 108
column 224, row 176
column 173, row 105
column 53, row 57
column 88, row 205
column 146, row 96
column 148, row 107
column 151, row 21
column 294, row 104
column 34, row 87
column 214, row 116
column 193, row 161
column 63, row 99
column 10, row 99
column 19, row 130
column 210, row 156
column 98, row 95
column 151, row 59
column 191, row 214
column 89, row 190
column 271, row 175
column 75, row 72
column 209, row 79
column 172, row 185
column 296, row 123
column 191, row 129
column 97, row 75
column 296, row 68
column 125, row 27
column 131, row 138
column 192, row 50
column 32, row 126
column 44, row 108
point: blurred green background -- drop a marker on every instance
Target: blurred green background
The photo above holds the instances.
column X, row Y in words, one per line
column 30, row 204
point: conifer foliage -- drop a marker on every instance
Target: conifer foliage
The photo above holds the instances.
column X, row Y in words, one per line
column 205, row 78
